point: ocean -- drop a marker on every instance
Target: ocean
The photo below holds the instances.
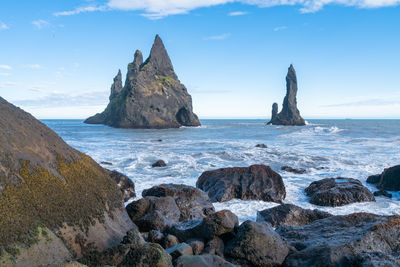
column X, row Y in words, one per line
column 325, row 148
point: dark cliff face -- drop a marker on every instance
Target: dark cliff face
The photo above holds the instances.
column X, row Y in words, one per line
column 116, row 87
column 289, row 115
column 152, row 97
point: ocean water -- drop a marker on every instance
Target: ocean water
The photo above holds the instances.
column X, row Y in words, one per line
column 325, row 148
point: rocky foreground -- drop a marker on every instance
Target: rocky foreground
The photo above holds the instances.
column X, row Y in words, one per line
column 60, row 208
column 152, row 97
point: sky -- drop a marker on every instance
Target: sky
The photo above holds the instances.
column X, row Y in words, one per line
column 58, row 58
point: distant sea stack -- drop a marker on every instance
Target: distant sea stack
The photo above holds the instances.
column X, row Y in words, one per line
column 152, row 97
column 289, row 115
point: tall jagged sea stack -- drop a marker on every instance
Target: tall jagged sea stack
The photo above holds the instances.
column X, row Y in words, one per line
column 152, row 96
column 289, row 115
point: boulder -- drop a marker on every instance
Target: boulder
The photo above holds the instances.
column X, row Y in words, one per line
column 374, row 179
column 192, row 202
column 149, row 254
column 382, row 193
column 215, row 246
column 217, row 224
column 152, row 96
column 125, row 184
column 338, row 192
column 46, row 183
column 390, row 179
column 290, row 169
column 256, row 244
column 153, row 213
column 197, row 246
column 261, row 146
column 257, row 182
column 159, row 163
column 289, row 114
column 179, row 250
column 342, row 240
column 202, row 261
column 155, row 236
column 186, row 229
column 170, row 241
column 288, row 214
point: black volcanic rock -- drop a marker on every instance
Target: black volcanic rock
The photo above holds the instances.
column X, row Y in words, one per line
column 390, row 179
column 152, row 96
column 338, row 192
column 256, row 182
column 289, row 115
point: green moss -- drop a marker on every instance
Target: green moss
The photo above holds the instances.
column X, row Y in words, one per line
column 169, row 79
column 43, row 199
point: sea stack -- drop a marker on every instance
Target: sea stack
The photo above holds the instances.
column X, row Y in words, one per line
column 289, row 115
column 152, row 97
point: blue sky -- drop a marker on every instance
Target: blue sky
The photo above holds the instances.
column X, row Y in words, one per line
column 58, row 58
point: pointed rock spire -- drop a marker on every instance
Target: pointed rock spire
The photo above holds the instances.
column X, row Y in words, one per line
column 133, row 67
column 116, row 87
column 289, row 115
column 159, row 56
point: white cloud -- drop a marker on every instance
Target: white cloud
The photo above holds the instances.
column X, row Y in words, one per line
column 3, row 26
column 218, row 37
column 157, row 9
column 237, row 13
column 33, row 66
column 280, row 28
column 80, row 10
column 40, row 24
column 5, row 67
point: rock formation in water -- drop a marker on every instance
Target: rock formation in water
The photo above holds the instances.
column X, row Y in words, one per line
column 289, row 114
column 152, row 96
column 53, row 198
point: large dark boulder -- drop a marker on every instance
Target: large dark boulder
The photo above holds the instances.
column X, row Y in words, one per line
column 46, row 186
column 374, row 179
column 256, row 244
column 125, row 184
column 338, row 192
column 186, row 229
column 202, row 261
column 342, row 240
column 192, row 202
column 149, row 254
column 153, row 213
column 217, row 224
column 390, row 179
column 152, row 97
column 288, row 214
column 289, row 115
column 258, row 182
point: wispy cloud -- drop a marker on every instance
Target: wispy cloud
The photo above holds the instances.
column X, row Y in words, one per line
column 81, row 10
column 218, row 37
column 3, row 26
column 280, row 28
column 237, row 13
column 5, row 67
column 33, row 66
column 40, row 23
column 60, row 99
column 156, row 9
column 8, row 84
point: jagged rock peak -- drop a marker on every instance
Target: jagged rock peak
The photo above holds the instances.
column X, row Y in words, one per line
column 133, row 67
column 289, row 115
column 159, row 57
column 116, row 87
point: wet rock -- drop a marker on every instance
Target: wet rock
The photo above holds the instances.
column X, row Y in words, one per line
column 215, row 246
column 338, row 192
column 289, row 114
column 290, row 169
column 257, row 182
column 374, row 179
column 197, row 246
column 202, row 261
column 288, row 214
column 375, row 259
column 342, row 240
column 192, row 202
column 153, row 213
column 179, row 250
column 186, row 229
column 170, row 241
column 261, row 146
column 390, row 179
column 257, row 244
column 125, row 184
column 159, row 163
column 152, row 97
column 155, row 236
column 217, row 224
column 149, row 254
column 106, row 163
column 382, row 193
